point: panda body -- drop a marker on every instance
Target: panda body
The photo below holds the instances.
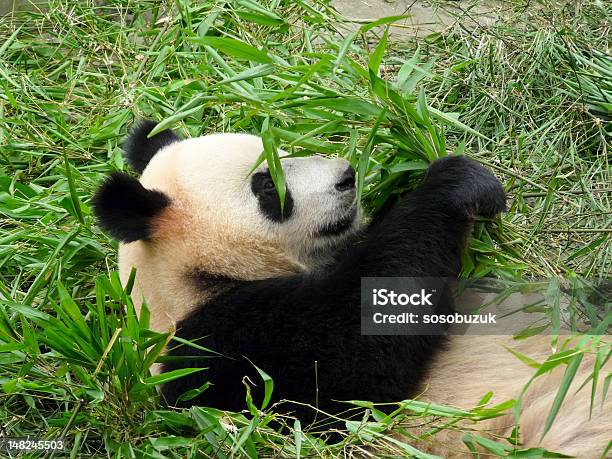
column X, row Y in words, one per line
column 473, row 365
column 217, row 258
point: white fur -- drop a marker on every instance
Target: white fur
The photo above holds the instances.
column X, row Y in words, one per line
column 474, row 365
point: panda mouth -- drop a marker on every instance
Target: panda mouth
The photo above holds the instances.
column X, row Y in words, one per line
column 339, row 226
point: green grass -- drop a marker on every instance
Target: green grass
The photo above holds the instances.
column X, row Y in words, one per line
column 529, row 95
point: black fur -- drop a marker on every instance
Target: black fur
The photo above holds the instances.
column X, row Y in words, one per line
column 485, row 195
column 347, row 180
column 262, row 186
column 139, row 149
column 305, row 329
column 125, row 208
column 337, row 227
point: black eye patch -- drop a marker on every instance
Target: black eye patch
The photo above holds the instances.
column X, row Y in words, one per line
column 263, row 188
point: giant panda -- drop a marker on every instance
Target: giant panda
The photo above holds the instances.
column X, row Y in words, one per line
column 218, row 260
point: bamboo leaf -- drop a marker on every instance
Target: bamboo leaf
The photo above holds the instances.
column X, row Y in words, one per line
column 273, row 160
column 379, row 51
column 171, row 375
column 568, row 377
column 235, row 48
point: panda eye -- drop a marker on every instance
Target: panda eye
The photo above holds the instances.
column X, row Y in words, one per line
column 263, row 185
column 268, row 185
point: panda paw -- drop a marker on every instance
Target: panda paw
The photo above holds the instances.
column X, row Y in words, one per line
column 469, row 185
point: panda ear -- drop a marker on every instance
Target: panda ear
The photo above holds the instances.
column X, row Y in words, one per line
column 139, row 148
column 125, row 209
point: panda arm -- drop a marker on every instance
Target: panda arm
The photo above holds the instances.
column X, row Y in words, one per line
column 423, row 233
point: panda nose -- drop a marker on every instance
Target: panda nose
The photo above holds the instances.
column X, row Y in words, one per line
column 347, row 180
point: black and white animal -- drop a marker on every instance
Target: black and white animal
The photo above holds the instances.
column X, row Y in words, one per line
column 217, row 259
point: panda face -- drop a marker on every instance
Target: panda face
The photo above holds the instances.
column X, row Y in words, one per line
column 320, row 205
column 200, row 209
column 210, row 179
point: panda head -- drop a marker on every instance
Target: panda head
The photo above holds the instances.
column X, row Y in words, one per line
column 199, row 208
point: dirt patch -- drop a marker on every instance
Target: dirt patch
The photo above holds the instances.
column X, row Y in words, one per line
column 424, row 17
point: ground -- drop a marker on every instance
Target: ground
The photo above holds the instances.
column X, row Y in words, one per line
column 422, row 18
column 526, row 93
